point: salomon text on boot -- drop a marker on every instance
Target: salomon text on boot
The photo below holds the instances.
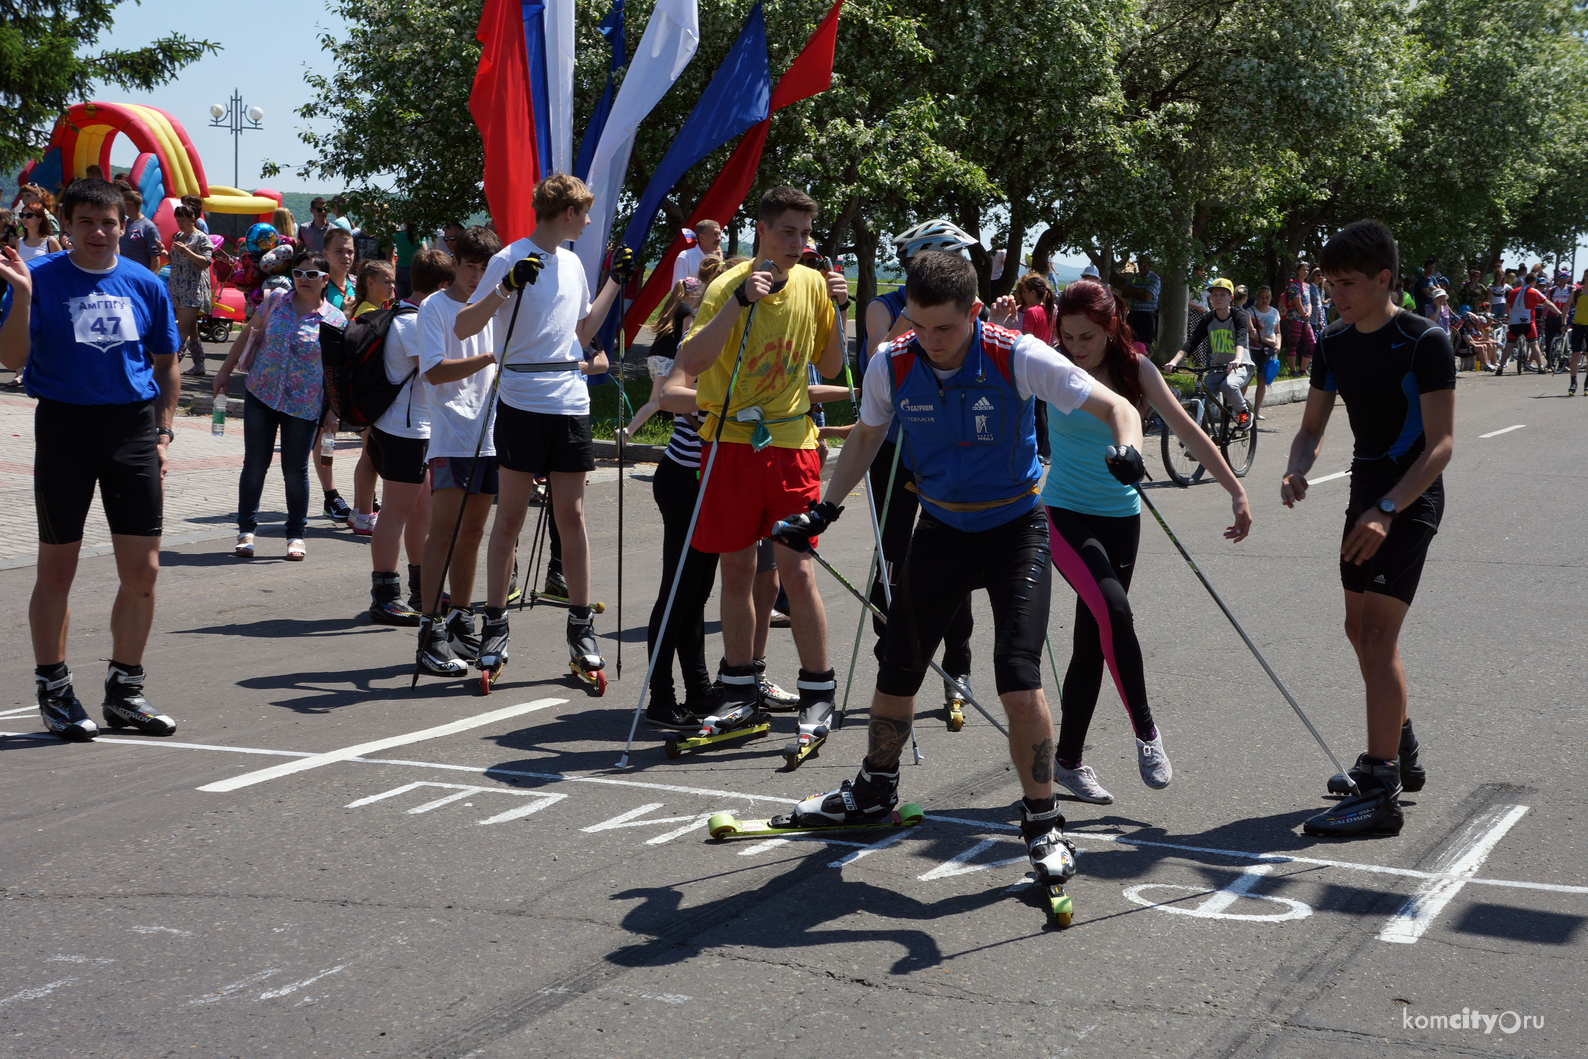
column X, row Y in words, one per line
column 63, row 714
column 386, row 604
column 1375, row 811
column 125, row 706
column 869, row 798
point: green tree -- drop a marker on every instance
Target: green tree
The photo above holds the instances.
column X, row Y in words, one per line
column 48, row 62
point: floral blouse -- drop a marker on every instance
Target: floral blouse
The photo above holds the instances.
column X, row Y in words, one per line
column 287, row 373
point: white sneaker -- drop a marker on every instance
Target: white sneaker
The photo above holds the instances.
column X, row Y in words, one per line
column 1156, row 772
column 1082, row 783
column 295, row 550
column 363, row 525
column 781, row 620
column 245, row 546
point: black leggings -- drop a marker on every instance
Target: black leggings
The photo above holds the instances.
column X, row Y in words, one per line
column 1097, row 554
column 896, row 530
column 675, row 488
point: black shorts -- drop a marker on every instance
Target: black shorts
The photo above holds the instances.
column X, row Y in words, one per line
column 1523, row 330
column 396, row 458
column 114, row 446
column 1579, row 337
column 543, row 443
column 1397, row 567
column 1013, row 562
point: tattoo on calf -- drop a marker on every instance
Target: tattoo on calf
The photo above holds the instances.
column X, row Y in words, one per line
column 1042, row 761
column 887, row 738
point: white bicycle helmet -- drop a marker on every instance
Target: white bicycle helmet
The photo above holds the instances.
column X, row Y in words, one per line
column 941, row 234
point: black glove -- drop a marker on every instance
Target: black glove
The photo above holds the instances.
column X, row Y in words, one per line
column 1125, row 464
column 796, row 531
column 622, row 269
column 523, row 273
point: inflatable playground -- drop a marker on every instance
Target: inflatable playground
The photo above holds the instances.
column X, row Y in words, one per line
column 166, row 168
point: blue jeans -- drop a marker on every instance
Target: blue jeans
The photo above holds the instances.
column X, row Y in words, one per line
column 260, row 422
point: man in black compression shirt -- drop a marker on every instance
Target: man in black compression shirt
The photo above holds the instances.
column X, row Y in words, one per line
column 1396, row 373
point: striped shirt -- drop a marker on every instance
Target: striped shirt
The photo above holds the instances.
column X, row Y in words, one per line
column 683, row 447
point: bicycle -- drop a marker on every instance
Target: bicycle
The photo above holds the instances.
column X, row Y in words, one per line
column 1214, row 418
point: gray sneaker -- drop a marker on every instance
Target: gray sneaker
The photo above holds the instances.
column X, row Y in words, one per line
column 1082, row 783
column 1156, row 772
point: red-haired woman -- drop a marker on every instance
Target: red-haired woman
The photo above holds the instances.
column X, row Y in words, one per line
column 1096, row 528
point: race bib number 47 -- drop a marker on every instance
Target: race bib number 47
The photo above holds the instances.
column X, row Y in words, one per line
column 103, row 320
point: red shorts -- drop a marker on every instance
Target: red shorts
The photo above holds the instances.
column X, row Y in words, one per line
column 750, row 491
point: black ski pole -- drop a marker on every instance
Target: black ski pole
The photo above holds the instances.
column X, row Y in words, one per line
column 678, row 574
column 463, row 504
column 1248, row 640
column 621, row 435
column 939, row 670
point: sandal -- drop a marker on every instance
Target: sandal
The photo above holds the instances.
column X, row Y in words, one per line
column 245, row 546
column 295, row 549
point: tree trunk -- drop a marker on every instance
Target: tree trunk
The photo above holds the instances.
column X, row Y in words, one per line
column 733, row 235
column 1042, row 255
column 1171, row 312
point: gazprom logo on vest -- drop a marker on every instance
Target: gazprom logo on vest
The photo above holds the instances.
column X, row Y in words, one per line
column 905, row 404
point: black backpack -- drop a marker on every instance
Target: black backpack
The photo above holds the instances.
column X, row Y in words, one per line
column 355, row 366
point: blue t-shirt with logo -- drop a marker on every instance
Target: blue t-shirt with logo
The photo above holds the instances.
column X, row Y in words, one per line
column 95, row 334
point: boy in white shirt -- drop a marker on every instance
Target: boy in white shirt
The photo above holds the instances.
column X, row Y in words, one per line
column 398, row 444
column 543, row 424
column 458, row 375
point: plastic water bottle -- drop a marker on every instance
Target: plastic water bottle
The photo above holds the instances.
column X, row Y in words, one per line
column 327, row 448
column 218, row 420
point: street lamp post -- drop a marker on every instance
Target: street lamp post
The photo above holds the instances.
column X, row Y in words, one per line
column 234, row 118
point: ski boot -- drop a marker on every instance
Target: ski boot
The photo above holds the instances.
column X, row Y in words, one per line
column 63, row 714
column 737, row 715
column 1375, row 811
column 865, row 801
column 556, row 586
column 773, row 698
column 584, row 657
column 1052, row 856
column 416, row 593
column 492, row 654
column 436, row 656
column 461, row 634
column 125, row 706
column 817, row 716
column 1413, row 775
column 954, row 700
column 669, row 715
column 386, row 606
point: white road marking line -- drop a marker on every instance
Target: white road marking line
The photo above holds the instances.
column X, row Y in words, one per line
column 955, row 864
column 1462, row 861
column 227, row 990
column 18, row 713
column 37, row 991
column 698, row 822
column 1218, row 900
column 628, row 819
column 771, row 843
column 295, row 986
column 1503, row 430
column 875, row 847
column 1328, row 478
column 542, row 799
column 163, row 930
column 986, row 825
column 248, row 779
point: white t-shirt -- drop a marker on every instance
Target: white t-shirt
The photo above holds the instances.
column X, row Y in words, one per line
column 1039, row 370
column 688, row 263
column 546, row 329
column 454, row 407
column 409, row 414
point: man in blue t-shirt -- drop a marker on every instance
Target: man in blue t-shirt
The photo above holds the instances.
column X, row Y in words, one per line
column 95, row 340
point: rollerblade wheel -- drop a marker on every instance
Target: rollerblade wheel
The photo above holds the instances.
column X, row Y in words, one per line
column 600, row 683
column 671, row 746
column 722, row 825
column 599, row 607
column 791, row 754
column 956, row 721
column 485, row 682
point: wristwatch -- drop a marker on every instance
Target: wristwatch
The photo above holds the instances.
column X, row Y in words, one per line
column 170, row 434
column 1387, row 506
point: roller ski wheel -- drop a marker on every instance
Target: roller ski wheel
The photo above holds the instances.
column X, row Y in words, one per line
column 726, row 826
column 596, row 678
column 1061, row 909
column 677, row 748
column 795, row 753
column 954, row 702
column 492, row 654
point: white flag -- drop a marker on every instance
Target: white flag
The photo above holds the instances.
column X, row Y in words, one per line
column 670, row 40
column 559, row 82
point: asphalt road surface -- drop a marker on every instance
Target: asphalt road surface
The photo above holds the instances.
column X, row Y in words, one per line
column 322, row 862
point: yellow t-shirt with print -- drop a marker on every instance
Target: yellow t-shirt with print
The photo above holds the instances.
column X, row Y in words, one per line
column 1581, row 315
column 790, row 330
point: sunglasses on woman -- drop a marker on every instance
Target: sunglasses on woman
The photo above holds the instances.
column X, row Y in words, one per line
column 308, row 273
column 30, row 215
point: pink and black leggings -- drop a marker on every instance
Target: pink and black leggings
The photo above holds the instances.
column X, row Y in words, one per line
column 1096, row 554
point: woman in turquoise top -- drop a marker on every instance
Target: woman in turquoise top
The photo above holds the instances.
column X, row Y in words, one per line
column 1096, row 528
column 285, row 390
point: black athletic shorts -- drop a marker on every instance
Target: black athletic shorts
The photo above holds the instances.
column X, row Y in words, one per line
column 1579, row 337
column 943, row 566
column 114, row 446
column 541, row 442
column 1397, row 566
column 396, row 458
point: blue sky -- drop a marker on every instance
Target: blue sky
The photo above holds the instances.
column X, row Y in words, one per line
column 265, row 50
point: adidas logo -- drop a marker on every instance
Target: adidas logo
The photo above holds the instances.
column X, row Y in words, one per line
column 982, row 405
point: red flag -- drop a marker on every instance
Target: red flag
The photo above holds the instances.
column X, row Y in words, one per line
column 501, row 104
column 811, row 73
